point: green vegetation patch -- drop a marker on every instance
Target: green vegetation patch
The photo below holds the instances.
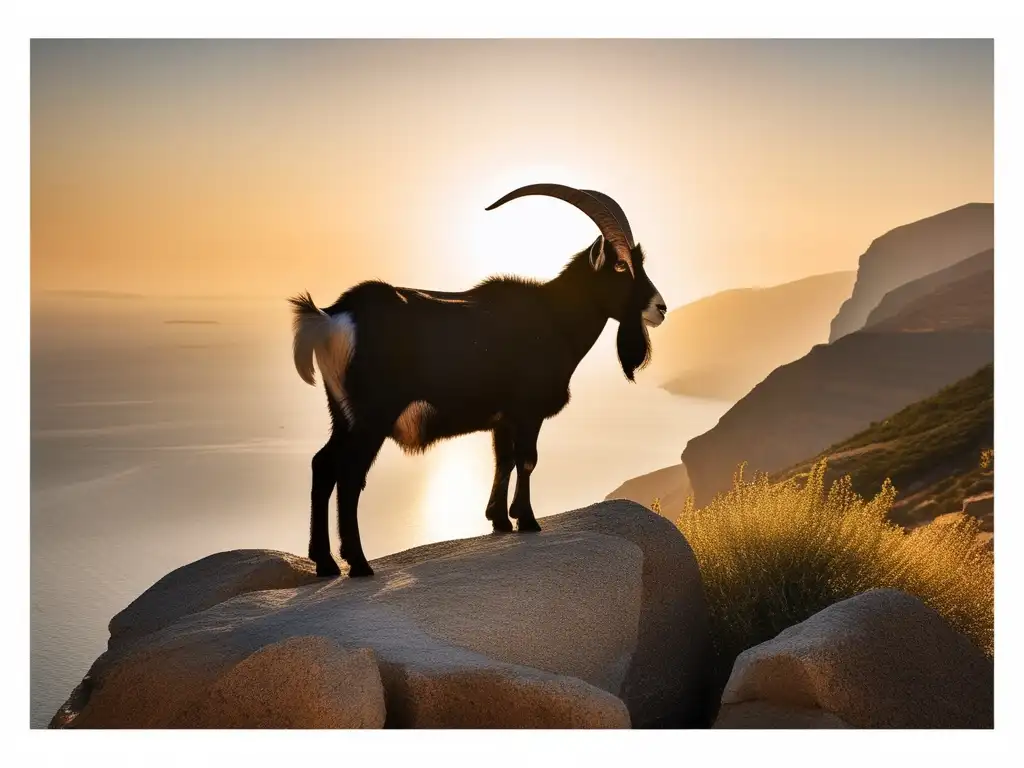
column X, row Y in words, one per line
column 930, row 450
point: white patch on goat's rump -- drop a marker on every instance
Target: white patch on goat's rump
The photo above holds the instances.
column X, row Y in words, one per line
column 331, row 339
column 409, row 429
column 333, row 358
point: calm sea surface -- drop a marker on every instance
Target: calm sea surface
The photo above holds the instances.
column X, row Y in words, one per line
column 166, row 431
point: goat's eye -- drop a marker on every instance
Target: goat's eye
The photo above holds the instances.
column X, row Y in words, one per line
column 620, row 266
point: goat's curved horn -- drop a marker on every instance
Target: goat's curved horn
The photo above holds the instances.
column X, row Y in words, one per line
column 617, row 211
column 604, row 212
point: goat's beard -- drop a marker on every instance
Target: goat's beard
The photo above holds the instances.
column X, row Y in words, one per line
column 633, row 344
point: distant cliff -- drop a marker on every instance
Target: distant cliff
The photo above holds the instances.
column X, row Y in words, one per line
column 912, row 251
column 933, row 285
column 669, row 485
column 722, row 345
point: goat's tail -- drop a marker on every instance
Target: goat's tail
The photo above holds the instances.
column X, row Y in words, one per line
column 331, row 339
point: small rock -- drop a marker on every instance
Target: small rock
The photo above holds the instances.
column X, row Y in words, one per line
column 881, row 659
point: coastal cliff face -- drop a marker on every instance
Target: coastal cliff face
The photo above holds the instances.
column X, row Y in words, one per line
column 925, row 334
column 910, row 252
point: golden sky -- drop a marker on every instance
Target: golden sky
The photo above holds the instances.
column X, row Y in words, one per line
column 269, row 167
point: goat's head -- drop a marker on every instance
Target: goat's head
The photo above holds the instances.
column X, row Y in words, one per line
column 616, row 278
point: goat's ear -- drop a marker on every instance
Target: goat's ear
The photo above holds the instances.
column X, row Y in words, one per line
column 597, row 253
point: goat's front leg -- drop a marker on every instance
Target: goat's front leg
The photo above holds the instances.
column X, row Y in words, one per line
column 355, row 462
column 526, row 460
column 504, row 461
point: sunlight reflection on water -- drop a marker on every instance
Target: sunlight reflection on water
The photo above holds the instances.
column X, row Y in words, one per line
column 456, row 490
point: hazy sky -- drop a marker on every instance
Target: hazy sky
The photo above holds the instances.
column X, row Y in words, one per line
column 268, row 167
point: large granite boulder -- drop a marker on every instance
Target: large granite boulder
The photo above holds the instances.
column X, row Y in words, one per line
column 597, row 621
column 881, row 659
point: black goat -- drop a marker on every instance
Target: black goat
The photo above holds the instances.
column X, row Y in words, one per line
column 420, row 366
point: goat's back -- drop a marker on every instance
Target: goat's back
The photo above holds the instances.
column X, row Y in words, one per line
column 485, row 344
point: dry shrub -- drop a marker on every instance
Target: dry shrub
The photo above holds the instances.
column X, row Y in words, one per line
column 773, row 554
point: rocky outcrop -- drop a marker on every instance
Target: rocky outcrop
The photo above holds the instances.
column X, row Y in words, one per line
column 912, row 251
column 597, row 621
column 881, row 659
column 722, row 345
column 833, row 392
column 897, row 299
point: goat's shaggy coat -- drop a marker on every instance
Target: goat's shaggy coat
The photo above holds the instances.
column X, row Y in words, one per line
column 421, row 366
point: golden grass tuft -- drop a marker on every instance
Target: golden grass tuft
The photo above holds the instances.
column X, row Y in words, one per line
column 988, row 459
column 773, row 554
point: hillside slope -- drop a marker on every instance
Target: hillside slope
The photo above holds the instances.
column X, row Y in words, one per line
column 722, row 345
column 912, row 251
column 832, row 392
column 931, row 450
column 898, row 298
column 964, row 303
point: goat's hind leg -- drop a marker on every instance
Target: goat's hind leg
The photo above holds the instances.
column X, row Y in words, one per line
column 504, row 461
column 324, row 476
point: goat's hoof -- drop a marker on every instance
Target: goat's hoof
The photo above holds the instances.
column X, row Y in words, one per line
column 528, row 526
column 360, row 571
column 327, row 569
column 502, row 525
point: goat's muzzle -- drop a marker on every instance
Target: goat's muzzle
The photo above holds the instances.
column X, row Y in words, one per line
column 654, row 315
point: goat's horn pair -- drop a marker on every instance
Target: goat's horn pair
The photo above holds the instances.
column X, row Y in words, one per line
column 605, row 212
